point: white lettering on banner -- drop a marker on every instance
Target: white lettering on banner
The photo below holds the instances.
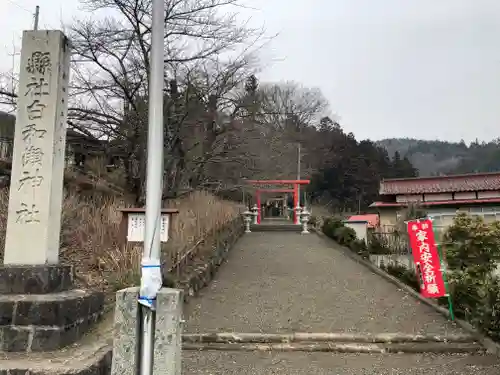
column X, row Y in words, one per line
column 432, row 289
column 430, row 279
column 421, row 235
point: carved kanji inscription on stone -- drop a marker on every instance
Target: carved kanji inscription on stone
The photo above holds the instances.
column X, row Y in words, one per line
column 35, row 110
column 32, row 156
column 27, row 214
column 31, row 178
column 37, row 87
column 36, row 190
column 31, row 131
column 39, row 63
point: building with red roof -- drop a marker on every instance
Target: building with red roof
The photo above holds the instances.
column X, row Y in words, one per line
column 371, row 220
column 441, row 196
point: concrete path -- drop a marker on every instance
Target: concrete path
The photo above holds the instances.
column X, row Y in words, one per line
column 284, row 282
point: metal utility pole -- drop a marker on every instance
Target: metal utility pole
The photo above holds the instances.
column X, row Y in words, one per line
column 154, row 188
column 298, row 173
column 37, row 17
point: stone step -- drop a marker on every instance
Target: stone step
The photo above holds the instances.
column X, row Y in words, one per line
column 91, row 355
column 335, row 342
column 335, row 347
column 345, row 337
column 275, row 228
column 45, row 322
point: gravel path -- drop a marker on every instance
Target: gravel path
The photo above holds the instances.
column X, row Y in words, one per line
column 282, row 282
column 237, row 363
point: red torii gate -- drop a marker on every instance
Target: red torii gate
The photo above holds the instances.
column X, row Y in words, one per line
column 260, row 184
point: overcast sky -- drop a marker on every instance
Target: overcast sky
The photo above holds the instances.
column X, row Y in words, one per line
column 390, row 68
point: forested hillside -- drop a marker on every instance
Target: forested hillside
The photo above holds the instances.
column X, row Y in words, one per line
column 349, row 173
column 439, row 157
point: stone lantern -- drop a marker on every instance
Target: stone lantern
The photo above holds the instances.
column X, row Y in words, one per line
column 247, row 218
column 304, row 218
column 255, row 213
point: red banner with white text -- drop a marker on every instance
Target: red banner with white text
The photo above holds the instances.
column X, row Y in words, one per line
column 426, row 258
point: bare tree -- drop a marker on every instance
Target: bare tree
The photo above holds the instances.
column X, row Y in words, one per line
column 291, row 105
column 215, row 111
column 8, row 88
column 111, row 75
column 287, row 114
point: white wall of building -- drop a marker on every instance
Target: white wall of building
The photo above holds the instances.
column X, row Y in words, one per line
column 360, row 227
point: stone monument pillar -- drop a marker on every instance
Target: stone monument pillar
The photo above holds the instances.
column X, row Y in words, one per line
column 36, row 187
column 39, row 305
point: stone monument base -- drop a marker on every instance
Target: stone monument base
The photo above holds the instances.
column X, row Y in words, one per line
column 40, row 309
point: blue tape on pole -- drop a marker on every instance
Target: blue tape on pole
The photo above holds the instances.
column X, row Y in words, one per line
column 151, row 266
column 150, row 300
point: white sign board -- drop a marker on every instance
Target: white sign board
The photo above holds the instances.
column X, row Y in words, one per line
column 137, row 227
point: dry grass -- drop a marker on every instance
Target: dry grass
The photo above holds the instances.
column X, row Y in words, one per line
column 199, row 213
column 90, row 234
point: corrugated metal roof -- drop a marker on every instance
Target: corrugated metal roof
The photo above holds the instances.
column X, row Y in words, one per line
column 438, row 203
column 441, row 184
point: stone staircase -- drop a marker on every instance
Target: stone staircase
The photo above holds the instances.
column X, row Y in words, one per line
column 276, row 225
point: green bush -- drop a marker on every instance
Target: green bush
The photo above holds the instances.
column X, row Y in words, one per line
column 490, row 311
column 359, row 247
column 344, row 235
column 409, row 277
column 313, row 221
column 330, row 225
column 472, row 250
column 472, row 245
column 378, row 244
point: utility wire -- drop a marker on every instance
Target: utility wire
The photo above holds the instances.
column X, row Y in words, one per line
column 20, row 6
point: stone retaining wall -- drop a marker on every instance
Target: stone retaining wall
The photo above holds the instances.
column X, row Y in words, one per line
column 202, row 269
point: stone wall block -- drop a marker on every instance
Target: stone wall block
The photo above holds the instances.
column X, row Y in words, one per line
column 16, row 279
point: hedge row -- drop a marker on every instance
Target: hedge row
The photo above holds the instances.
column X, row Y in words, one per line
column 336, row 230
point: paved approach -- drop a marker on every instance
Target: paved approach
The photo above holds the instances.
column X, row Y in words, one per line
column 287, row 282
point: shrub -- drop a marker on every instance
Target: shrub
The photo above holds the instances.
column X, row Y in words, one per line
column 313, row 220
column 377, row 244
column 472, row 250
column 359, row 247
column 344, row 235
column 472, row 245
column 330, row 225
column 409, row 277
column 477, row 301
column 490, row 311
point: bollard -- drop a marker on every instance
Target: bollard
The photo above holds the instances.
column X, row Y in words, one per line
column 167, row 338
